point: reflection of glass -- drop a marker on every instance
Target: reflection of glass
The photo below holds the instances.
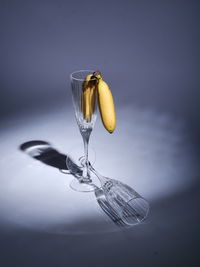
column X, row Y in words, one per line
column 126, row 202
column 84, row 102
column 122, row 203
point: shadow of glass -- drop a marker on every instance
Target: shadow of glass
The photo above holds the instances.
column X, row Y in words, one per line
column 44, row 152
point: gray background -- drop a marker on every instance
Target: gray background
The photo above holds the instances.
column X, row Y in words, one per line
column 149, row 52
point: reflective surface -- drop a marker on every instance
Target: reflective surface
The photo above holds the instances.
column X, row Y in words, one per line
column 27, row 185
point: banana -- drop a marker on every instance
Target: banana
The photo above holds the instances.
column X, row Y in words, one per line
column 106, row 104
column 88, row 97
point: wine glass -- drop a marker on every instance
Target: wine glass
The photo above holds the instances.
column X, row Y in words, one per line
column 84, row 96
column 128, row 205
column 122, row 203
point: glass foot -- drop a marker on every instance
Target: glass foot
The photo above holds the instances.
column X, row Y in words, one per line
column 85, row 187
column 75, row 162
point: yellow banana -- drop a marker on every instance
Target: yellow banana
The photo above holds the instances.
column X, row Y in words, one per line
column 88, row 97
column 106, row 105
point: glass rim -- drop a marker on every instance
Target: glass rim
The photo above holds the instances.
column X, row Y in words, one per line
column 80, row 79
column 133, row 199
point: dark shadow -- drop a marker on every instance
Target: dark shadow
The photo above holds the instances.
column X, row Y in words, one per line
column 44, row 152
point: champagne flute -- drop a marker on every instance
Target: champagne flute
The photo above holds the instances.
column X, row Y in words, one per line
column 128, row 205
column 84, row 102
column 122, row 201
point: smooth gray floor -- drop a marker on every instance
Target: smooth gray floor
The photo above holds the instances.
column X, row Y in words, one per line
column 45, row 223
column 169, row 239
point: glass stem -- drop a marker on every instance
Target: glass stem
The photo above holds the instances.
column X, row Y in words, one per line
column 86, row 172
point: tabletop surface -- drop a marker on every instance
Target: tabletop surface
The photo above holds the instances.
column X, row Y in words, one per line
column 41, row 214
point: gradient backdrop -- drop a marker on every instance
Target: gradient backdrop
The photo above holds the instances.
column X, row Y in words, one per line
column 148, row 52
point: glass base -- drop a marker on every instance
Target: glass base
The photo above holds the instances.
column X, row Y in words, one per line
column 85, row 187
column 75, row 162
